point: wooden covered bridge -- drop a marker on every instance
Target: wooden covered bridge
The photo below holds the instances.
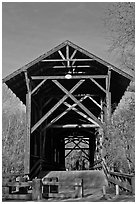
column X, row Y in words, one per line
column 68, row 93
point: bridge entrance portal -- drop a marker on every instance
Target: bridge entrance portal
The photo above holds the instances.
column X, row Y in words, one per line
column 68, row 94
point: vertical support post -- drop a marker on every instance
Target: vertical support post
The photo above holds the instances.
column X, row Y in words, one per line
column 104, row 191
column 67, row 55
column 28, row 127
column 108, row 96
column 101, row 115
column 133, row 185
column 78, row 188
column 41, row 133
column 44, row 139
column 117, row 190
column 108, row 101
column 36, row 189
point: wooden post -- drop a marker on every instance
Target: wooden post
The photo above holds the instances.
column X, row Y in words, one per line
column 78, row 188
column 36, row 189
column 133, row 185
column 27, row 138
column 117, row 190
column 104, row 191
column 108, row 100
column 41, row 133
column 28, row 125
column 67, row 56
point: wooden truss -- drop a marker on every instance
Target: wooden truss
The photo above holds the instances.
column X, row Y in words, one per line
column 68, row 60
column 68, row 94
column 77, row 146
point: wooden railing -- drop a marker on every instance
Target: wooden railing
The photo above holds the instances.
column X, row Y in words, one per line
column 15, row 186
column 38, row 189
column 52, row 187
column 122, row 181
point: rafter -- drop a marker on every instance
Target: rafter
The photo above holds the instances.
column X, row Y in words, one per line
column 27, row 80
column 61, row 54
column 73, row 54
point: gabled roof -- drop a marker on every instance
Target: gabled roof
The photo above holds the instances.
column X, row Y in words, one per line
column 55, row 49
column 16, row 80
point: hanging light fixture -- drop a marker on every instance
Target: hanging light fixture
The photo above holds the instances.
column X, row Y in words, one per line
column 68, row 75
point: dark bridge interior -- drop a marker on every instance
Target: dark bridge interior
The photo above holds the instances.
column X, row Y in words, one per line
column 68, row 93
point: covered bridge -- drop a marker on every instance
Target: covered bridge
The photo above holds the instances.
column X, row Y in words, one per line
column 68, row 93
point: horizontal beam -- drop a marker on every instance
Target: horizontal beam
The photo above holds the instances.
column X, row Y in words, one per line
column 65, row 60
column 75, row 126
column 74, row 66
column 73, row 77
column 58, row 96
column 77, row 148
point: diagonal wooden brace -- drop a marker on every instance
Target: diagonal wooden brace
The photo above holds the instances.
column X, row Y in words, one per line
column 38, row 86
column 55, row 107
column 64, row 113
column 78, row 103
column 76, row 145
column 81, row 113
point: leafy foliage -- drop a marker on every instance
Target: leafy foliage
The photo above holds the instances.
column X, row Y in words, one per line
column 120, row 145
column 120, row 21
column 76, row 161
column 13, row 131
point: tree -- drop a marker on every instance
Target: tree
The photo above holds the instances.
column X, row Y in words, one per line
column 120, row 22
column 13, row 132
column 120, row 145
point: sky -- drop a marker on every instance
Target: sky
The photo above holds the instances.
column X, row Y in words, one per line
column 30, row 29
